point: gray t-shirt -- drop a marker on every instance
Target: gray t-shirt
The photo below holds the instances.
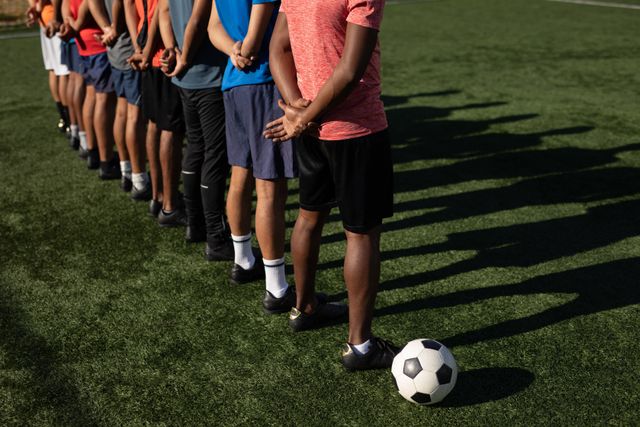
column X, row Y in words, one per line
column 123, row 49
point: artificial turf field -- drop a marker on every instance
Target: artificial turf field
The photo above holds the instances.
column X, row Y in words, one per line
column 515, row 242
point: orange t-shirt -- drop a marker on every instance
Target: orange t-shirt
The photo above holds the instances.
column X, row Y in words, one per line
column 46, row 14
column 151, row 8
column 317, row 30
column 87, row 44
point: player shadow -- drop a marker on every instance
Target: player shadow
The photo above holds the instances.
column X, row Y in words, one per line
column 487, row 385
column 50, row 384
column 527, row 244
column 601, row 287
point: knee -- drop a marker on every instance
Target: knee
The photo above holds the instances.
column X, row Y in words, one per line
column 310, row 221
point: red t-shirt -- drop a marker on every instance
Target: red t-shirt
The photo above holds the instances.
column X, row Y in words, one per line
column 151, row 8
column 87, row 44
column 317, row 31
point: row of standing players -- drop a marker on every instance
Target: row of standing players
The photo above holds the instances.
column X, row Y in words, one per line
column 266, row 90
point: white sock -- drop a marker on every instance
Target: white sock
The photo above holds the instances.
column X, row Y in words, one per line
column 74, row 130
column 139, row 180
column 83, row 139
column 125, row 168
column 243, row 251
column 361, row 349
column 275, row 276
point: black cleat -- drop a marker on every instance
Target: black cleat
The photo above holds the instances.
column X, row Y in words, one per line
column 93, row 159
column 83, row 153
column 219, row 250
column 195, row 234
column 142, row 195
column 379, row 356
column 62, row 126
column 154, row 208
column 273, row 305
column 326, row 313
column 125, row 184
column 74, row 143
column 240, row 276
column 110, row 170
column 175, row 218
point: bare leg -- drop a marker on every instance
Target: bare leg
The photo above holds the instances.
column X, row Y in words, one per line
column 170, row 168
column 87, row 116
column 362, row 276
column 102, row 120
column 239, row 201
column 153, row 154
column 53, row 86
column 79, row 94
column 270, row 226
column 135, row 138
column 62, row 90
column 70, row 94
column 120, row 128
column 305, row 248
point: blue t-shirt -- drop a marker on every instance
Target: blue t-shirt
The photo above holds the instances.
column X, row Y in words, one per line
column 234, row 15
column 206, row 69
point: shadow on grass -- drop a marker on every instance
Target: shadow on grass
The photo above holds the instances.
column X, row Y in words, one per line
column 51, row 388
column 487, row 385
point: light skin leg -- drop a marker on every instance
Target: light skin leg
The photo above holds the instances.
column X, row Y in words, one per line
column 270, row 225
column 239, row 201
column 120, row 128
column 87, row 116
column 135, row 138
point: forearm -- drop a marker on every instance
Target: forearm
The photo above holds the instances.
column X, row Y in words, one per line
column 219, row 36
column 118, row 22
column 131, row 18
column 281, row 64
column 359, row 45
column 163, row 24
column 57, row 10
column 96, row 7
column 196, row 29
column 65, row 11
column 83, row 14
column 258, row 24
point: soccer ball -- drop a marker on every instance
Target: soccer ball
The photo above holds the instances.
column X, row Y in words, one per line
column 424, row 371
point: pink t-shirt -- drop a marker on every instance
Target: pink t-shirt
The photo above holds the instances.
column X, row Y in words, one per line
column 317, row 31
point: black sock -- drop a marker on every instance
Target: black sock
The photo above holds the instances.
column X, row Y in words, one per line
column 62, row 111
column 104, row 165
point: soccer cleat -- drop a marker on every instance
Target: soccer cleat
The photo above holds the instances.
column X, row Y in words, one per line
column 62, row 126
column 379, row 356
column 219, row 250
column 239, row 275
column 273, row 305
column 326, row 313
column 83, row 153
column 175, row 218
column 93, row 159
column 141, row 195
column 74, row 143
column 125, row 184
column 154, row 208
column 110, row 171
column 195, row 234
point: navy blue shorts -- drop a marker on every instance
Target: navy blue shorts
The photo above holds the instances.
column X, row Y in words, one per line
column 127, row 85
column 96, row 71
column 248, row 109
column 70, row 57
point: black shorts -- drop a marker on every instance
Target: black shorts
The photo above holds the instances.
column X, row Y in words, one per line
column 354, row 174
column 161, row 102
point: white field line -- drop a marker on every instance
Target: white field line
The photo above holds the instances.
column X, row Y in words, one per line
column 599, row 3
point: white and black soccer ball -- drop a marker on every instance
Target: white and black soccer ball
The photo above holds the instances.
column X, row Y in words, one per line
column 424, row 371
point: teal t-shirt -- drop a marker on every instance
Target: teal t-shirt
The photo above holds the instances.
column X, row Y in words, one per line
column 208, row 63
column 234, row 15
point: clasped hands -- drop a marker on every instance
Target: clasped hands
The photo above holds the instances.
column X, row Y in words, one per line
column 293, row 123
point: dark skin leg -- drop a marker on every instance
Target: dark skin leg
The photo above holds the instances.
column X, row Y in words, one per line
column 153, row 154
column 305, row 248
column 362, row 277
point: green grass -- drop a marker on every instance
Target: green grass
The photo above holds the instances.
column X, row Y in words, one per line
column 516, row 242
